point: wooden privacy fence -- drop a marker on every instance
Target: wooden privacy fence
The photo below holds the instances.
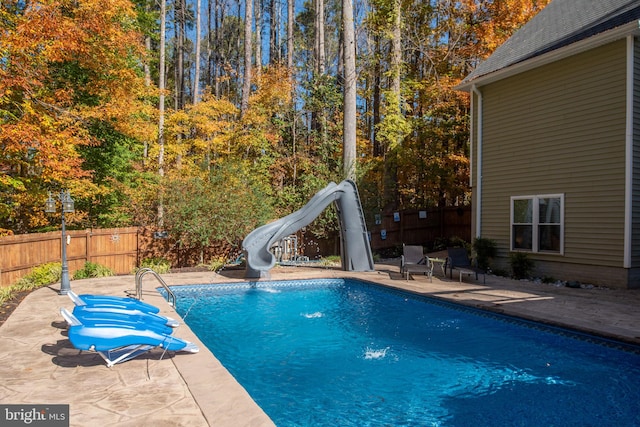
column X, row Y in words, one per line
column 116, row 248
column 420, row 227
column 426, row 227
column 122, row 249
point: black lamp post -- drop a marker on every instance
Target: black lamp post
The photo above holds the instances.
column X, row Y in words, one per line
column 67, row 206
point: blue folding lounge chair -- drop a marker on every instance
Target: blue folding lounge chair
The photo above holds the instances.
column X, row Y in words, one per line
column 101, row 316
column 119, row 342
column 107, row 302
column 112, row 301
column 119, row 314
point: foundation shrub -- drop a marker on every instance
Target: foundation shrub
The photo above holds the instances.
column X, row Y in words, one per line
column 521, row 265
column 485, row 250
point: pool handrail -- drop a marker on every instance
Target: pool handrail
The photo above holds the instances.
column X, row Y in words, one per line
column 171, row 297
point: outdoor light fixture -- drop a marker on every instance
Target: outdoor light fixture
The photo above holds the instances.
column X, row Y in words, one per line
column 67, row 207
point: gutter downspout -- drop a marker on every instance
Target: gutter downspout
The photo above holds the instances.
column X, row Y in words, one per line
column 478, row 133
column 628, row 191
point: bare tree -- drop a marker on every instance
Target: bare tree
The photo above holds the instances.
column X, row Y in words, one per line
column 394, row 109
column 258, row 37
column 349, row 94
column 273, row 24
column 161, row 88
column 320, row 40
column 147, row 83
column 290, row 17
column 396, row 53
column 196, row 78
column 179, row 30
column 246, row 87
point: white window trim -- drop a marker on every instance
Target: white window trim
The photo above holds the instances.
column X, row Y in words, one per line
column 536, row 222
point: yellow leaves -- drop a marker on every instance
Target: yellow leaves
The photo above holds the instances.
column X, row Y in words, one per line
column 211, row 131
column 200, row 133
column 273, row 95
column 273, row 89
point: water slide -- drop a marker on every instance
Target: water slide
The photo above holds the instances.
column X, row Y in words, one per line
column 356, row 250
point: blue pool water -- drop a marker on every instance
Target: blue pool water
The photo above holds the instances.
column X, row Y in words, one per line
column 348, row 353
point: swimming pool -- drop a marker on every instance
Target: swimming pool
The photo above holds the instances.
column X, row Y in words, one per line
column 349, row 353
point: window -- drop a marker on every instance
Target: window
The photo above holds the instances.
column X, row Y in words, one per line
column 537, row 223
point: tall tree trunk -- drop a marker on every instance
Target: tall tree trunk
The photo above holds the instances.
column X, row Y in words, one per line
column 217, row 56
column 209, row 75
column 258, row 14
column 196, row 77
column 349, row 118
column 391, row 155
column 396, row 53
column 161, row 89
column 320, row 39
column 320, row 122
column 246, row 87
column 378, row 150
column 147, row 83
column 273, row 31
column 178, row 54
column 290, row 18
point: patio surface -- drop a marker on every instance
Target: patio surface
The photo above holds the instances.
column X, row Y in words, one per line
column 38, row 365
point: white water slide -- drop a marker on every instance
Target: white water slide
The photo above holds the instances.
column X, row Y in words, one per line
column 356, row 250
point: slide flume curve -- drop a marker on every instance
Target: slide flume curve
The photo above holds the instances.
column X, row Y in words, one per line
column 356, row 250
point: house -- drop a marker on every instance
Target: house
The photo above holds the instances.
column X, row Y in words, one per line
column 555, row 143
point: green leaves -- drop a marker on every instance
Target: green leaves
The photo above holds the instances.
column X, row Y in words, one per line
column 223, row 206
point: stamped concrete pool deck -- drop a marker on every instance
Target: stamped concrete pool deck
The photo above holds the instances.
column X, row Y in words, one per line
column 38, row 365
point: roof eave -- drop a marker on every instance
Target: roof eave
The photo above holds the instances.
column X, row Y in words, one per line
column 631, row 28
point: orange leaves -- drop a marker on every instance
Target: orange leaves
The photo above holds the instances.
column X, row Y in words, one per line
column 96, row 36
column 497, row 20
column 64, row 65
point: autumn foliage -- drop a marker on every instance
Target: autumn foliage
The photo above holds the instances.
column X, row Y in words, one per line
column 79, row 110
column 64, row 66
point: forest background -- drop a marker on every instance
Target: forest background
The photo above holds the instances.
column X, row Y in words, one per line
column 207, row 118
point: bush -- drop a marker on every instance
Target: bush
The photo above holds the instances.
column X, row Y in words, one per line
column 443, row 243
column 521, row 265
column 92, row 269
column 216, row 264
column 485, row 250
column 42, row 275
column 500, row 272
column 159, row 265
column 458, row 242
column 440, row 244
column 331, row 261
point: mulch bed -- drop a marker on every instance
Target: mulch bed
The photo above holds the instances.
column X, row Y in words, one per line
column 8, row 306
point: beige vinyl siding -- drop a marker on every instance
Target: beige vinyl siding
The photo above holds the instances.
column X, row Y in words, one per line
column 473, row 153
column 635, row 231
column 560, row 129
